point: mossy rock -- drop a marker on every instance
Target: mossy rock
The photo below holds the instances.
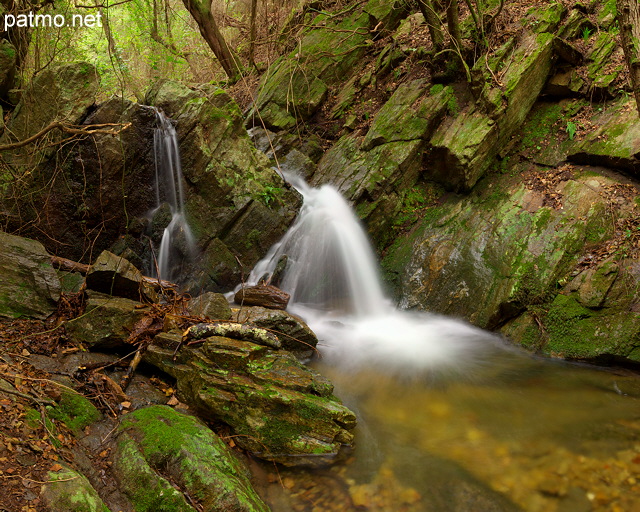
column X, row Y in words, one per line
column 29, row 286
column 404, row 118
column 277, row 408
column 75, row 411
column 519, row 251
column 297, row 84
column 68, row 490
column 106, row 322
column 158, row 447
column 616, row 140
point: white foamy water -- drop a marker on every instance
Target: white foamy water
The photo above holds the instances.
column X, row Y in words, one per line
column 332, row 276
column 177, row 241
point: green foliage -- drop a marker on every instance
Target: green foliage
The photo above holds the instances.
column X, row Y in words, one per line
column 571, row 129
column 586, row 33
column 270, row 194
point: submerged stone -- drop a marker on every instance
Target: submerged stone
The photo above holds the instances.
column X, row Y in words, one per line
column 277, row 408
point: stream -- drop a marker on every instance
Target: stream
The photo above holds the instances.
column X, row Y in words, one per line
column 451, row 418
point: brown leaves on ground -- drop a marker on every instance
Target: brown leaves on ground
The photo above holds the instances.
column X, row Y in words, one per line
column 546, row 181
column 31, row 444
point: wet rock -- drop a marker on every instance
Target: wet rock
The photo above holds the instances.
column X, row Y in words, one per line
column 107, row 321
column 29, row 284
column 211, row 305
column 277, row 408
column 68, row 490
column 266, row 296
column 253, row 207
column 114, row 275
column 521, row 255
column 294, row 334
column 159, row 449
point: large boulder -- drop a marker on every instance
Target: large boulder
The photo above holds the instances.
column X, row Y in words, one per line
column 159, row 450
column 277, row 408
column 115, row 275
column 29, row 286
column 106, row 322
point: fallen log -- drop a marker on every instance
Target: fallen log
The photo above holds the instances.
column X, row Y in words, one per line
column 246, row 332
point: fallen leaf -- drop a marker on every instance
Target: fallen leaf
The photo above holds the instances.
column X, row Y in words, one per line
column 55, row 467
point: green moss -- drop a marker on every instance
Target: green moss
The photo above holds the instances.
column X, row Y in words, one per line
column 540, row 124
column 75, row 411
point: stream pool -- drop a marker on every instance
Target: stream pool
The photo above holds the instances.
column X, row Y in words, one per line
column 515, row 433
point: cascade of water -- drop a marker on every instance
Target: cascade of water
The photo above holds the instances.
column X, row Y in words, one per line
column 332, row 276
column 330, row 265
column 177, row 241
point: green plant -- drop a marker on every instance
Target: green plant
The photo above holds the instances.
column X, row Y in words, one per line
column 571, row 129
column 269, row 194
column 586, row 33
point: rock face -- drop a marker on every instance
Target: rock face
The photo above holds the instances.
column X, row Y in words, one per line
column 29, row 286
column 85, row 212
column 159, row 448
column 296, row 85
column 521, row 255
column 278, row 409
column 253, row 206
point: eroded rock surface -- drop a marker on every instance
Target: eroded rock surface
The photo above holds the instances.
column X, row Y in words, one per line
column 279, row 409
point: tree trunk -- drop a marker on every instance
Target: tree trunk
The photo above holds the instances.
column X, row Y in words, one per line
column 453, row 24
column 629, row 22
column 433, row 23
column 252, row 31
column 200, row 10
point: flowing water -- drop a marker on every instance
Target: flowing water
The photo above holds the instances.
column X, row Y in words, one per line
column 451, row 418
column 177, row 244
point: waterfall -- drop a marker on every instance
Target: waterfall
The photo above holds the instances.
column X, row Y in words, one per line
column 330, row 264
column 178, row 243
column 332, row 276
